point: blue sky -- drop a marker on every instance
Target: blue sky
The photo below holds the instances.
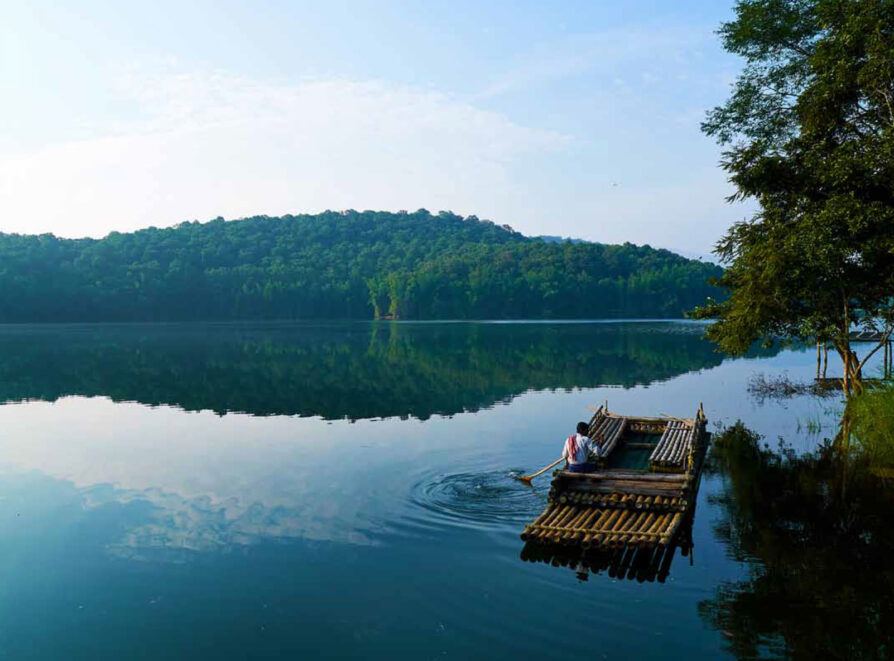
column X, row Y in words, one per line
column 570, row 118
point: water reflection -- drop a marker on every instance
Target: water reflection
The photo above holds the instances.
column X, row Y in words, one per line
column 337, row 371
column 243, row 536
column 815, row 531
column 159, row 525
column 174, row 527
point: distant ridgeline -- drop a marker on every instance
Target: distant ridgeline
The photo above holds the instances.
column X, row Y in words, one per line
column 339, row 265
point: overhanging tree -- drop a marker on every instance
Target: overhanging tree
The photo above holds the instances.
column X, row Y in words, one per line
column 808, row 132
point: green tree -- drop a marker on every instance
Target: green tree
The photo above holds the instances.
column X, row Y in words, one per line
column 808, row 133
column 378, row 296
column 345, row 265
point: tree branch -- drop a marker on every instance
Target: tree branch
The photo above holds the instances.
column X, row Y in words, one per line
column 877, row 347
column 887, row 99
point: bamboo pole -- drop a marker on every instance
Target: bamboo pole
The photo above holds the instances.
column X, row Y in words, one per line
column 532, row 530
column 563, row 519
column 630, row 525
column 528, row 478
column 626, row 562
column 579, row 524
column 636, row 564
column 656, row 524
column 642, row 525
column 672, row 527
column 598, row 476
column 604, row 492
column 540, row 518
column 645, row 525
column 556, row 516
column 655, row 562
column 616, row 562
column 664, row 569
column 594, row 536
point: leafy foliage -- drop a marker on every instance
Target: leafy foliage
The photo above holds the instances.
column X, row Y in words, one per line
column 871, row 416
column 809, row 133
column 338, row 265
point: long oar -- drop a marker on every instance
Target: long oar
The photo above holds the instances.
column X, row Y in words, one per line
column 528, row 478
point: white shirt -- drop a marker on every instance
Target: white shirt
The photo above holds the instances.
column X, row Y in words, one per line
column 578, row 449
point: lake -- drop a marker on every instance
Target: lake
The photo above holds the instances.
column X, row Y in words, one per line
column 343, row 490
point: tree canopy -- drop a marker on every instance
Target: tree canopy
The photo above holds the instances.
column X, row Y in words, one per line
column 339, row 265
column 809, row 134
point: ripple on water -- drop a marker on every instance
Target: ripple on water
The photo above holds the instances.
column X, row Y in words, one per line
column 480, row 500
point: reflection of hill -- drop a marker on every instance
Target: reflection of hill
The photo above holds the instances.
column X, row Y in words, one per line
column 339, row 370
column 816, row 530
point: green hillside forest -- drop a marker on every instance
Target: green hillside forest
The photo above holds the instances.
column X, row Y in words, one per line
column 339, row 265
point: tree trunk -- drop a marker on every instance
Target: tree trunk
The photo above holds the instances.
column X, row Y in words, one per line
column 851, row 382
column 856, row 374
column 852, row 374
column 844, row 353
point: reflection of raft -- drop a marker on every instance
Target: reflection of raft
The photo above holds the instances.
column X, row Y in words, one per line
column 642, row 563
column 643, row 491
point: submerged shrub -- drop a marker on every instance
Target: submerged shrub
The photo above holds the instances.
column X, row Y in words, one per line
column 871, row 419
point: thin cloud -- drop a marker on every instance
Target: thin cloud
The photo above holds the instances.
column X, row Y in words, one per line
column 209, row 144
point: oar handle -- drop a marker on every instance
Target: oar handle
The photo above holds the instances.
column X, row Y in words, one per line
column 528, row 478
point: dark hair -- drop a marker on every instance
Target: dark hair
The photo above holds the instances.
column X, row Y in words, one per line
column 583, row 428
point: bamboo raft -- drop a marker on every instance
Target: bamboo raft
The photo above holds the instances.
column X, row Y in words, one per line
column 623, row 516
column 650, row 563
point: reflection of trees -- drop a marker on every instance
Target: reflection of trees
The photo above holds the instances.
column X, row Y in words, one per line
column 816, row 530
column 339, row 370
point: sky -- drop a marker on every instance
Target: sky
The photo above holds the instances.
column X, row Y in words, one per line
column 576, row 119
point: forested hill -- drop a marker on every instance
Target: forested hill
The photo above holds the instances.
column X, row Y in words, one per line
column 339, row 265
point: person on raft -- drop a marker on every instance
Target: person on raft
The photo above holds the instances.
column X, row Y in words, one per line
column 578, row 449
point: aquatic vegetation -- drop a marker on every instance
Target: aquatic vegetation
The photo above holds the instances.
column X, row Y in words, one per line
column 813, row 426
column 871, row 420
column 779, row 387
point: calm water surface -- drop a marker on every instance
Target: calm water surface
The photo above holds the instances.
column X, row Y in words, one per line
column 343, row 490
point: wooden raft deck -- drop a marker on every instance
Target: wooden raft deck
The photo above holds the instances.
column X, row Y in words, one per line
column 640, row 563
column 604, row 510
column 619, row 507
